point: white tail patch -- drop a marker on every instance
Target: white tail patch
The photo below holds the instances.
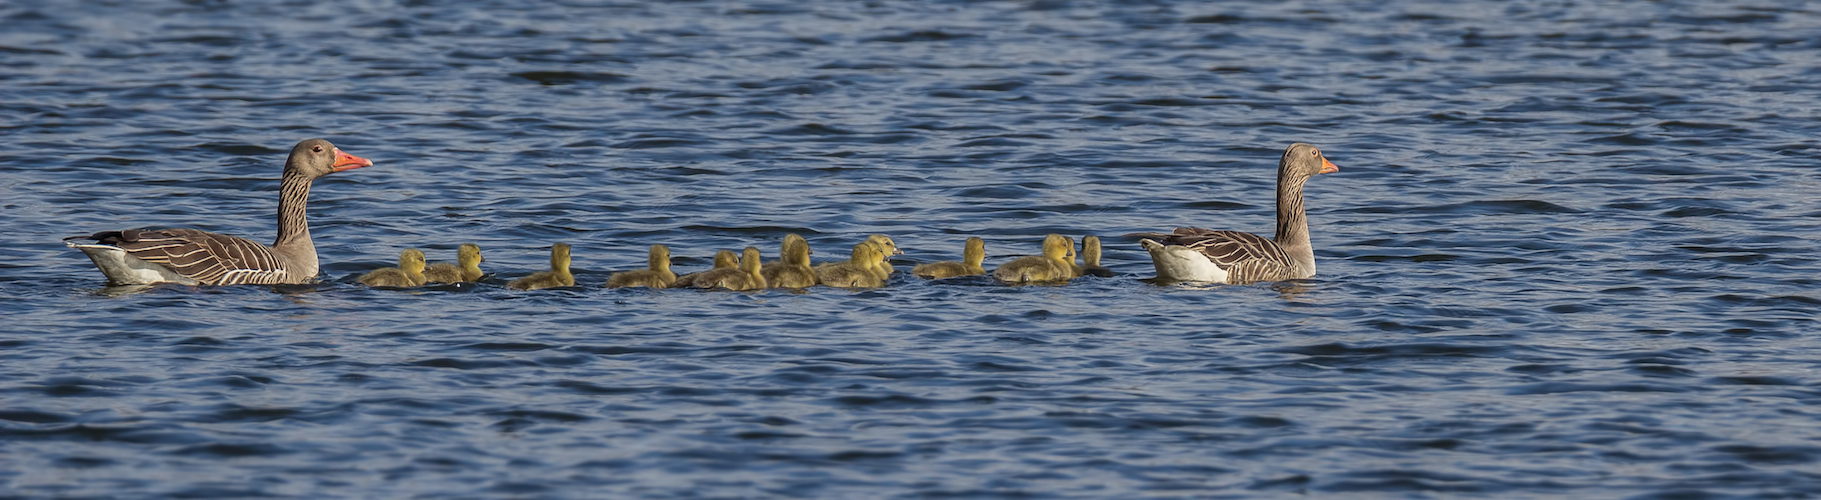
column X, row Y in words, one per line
column 124, row 269
column 1180, row 263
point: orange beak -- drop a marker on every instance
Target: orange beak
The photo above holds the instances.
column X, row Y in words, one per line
column 1327, row 167
column 344, row 161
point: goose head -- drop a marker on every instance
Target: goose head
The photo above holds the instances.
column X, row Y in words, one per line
column 749, row 260
column 726, row 259
column 469, row 255
column 1057, row 247
column 796, row 251
column 885, row 244
column 974, row 252
column 1303, row 160
column 411, row 261
column 314, row 158
column 559, row 256
column 659, row 259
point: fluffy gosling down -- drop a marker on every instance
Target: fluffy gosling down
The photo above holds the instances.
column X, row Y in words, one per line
column 1090, row 258
column 745, row 277
column 1051, row 266
column 724, row 259
column 655, row 275
column 558, row 275
column 973, row 254
column 792, row 268
column 409, row 273
column 467, row 268
column 863, row 270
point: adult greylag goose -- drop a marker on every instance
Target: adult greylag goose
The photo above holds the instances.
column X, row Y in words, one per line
column 724, row 259
column 467, row 268
column 745, row 277
column 1196, row 254
column 792, row 269
column 1051, row 266
column 197, row 257
column 409, row 273
column 1090, row 258
column 656, row 274
column 973, row 253
column 860, row 271
column 558, row 275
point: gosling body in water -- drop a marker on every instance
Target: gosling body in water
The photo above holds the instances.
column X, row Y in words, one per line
column 409, row 273
column 792, row 269
column 558, row 275
column 1090, row 258
column 724, row 259
column 745, row 277
column 466, row 269
column 863, row 270
column 973, row 254
column 1049, row 267
column 656, row 274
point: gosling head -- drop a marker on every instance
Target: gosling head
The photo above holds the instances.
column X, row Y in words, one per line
column 796, row 251
column 974, row 252
column 886, row 244
column 1090, row 250
column 411, row 261
column 1056, row 246
column 559, row 256
column 660, row 258
column 726, row 259
column 749, row 260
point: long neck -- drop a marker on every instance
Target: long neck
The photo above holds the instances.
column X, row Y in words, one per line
column 293, row 232
column 1293, row 223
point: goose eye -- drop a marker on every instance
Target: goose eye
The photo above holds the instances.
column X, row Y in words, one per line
column 317, row 149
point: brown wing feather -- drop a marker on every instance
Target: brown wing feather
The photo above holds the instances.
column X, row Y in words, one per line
column 208, row 258
column 1245, row 257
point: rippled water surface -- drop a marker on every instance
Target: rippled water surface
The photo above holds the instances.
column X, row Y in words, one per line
column 1571, row 251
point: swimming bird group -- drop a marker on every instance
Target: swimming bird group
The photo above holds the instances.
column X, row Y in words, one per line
column 196, row 257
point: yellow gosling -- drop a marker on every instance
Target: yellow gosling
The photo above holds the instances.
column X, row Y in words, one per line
column 558, row 275
column 466, row 269
column 409, row 273
column 792, row 269
column 885, row 244
column 1090, row 258
column 1070, row 259
column 973, row 253
column 745, row 277
column 879, row 241
column 860, row 271
column 724, row 259
column 656, row 274
column 887, row 249
column 1051, row 266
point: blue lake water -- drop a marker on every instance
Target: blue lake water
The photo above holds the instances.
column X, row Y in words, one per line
column 1571, row 251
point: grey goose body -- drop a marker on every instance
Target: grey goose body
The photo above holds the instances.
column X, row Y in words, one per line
column 197, row 257
column 1234, row 257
